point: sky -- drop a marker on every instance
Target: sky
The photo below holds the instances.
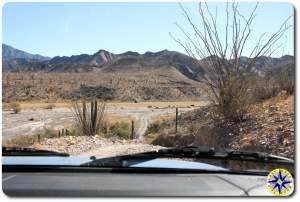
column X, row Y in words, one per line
column 65, row 29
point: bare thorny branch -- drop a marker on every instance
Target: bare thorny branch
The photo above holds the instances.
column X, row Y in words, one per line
column 222, row 60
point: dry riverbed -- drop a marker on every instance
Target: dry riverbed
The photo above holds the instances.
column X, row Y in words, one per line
column 32, row 120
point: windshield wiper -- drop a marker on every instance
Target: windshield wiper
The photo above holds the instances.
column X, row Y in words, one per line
column 226, row 154
column 19, row 151
column 190, row 152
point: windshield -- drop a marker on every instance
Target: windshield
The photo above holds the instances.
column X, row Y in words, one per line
column 101, row 80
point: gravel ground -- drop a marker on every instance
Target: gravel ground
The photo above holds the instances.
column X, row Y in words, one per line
column 271, row 130
column 94, row 146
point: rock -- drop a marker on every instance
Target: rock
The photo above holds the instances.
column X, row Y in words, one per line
column 72, row 142
column 279, row 128
column 272, row 108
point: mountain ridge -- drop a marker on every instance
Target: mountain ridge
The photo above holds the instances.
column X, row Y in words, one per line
column 106, row 61
column 9, row 52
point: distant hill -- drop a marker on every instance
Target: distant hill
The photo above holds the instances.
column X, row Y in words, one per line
column 130, row 76
column 23, row 64
column 106, row 62
column 129, row 61
column 9, row 52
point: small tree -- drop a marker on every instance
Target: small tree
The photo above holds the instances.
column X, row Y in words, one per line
column 89, row 117
column 226, row 73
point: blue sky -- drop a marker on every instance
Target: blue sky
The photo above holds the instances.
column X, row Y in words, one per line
column 53, row 29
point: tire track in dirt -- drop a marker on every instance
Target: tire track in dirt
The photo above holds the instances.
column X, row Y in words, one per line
column 32, row 121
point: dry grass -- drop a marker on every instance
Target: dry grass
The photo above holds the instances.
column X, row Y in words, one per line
column 282, row 98
column 50, row 106
column 29, row 140
column 42, row 105
column 15, row 107
column 269, row 127
column 163, row 118
column 112, row 119
column 159, row 104
column 45, row 105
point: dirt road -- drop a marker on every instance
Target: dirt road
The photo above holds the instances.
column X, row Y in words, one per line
column 31, row 121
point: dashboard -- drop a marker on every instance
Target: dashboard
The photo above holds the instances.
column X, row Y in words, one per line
column 91, row 184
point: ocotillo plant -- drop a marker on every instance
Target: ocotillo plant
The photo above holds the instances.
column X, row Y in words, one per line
column 89, row 117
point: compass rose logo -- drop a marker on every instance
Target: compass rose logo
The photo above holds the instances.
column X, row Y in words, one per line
column 280, row 182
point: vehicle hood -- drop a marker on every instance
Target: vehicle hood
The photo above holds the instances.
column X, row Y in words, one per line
column 77, row 161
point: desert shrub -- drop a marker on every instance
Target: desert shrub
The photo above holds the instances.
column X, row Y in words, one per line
column 89, row 118
column 225, row 71
column 75, row 130
column 49, row 133
column 273, row 82
column 265, row 88
column 20, row 141
column 155, row 127
column 5, row 106
column 50, row 106
column 194, row 132
column 287, row 86
column 234, row 98
column 285, row 81
column 16, row 107
column 121, row 129
column 29, row 140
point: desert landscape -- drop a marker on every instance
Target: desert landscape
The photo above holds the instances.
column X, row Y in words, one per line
column 134, row 99
column 221, row 88
column 142, row 93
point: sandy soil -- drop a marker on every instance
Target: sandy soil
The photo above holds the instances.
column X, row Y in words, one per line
column 121, row 149
column 94, row 146
column 43, row 105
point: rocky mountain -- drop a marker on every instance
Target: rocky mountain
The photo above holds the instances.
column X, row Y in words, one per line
column 9, row 52
column 81, row 63
column 130, row 76
column 128, row 61
column 104, row 61
column 264, row 63
column 17, row 60
column 23, row 64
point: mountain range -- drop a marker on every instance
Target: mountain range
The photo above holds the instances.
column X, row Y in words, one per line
column 103, row 61
column 9, row 52
column 130, row 76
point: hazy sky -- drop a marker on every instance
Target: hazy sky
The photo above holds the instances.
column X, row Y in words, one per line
column 53, row 29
